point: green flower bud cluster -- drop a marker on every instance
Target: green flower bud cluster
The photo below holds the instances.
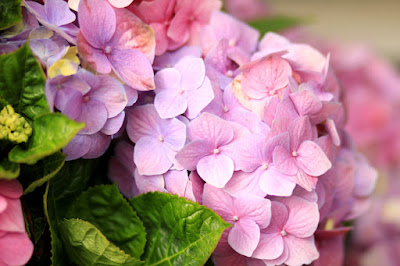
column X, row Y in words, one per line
column 13, row 126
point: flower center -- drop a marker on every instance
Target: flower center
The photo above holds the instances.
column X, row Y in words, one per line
column 232, row 43
column 235, row 218
column 264, row 166
column 107, row 50
column 229, row 73
column 226, row 109
column 180, row 91
column 294, row 154
column 191, row 18
column 85, row 99
column 216, row 151
column 283, row 233
column 160, row 139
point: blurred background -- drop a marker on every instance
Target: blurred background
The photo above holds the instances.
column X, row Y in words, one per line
column 374, row 22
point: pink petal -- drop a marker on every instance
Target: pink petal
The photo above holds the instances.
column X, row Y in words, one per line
column 150, row 157
column 198, row 99
column 312, row 159
column 69, row 102
column 174, row 133
column 197, row 186
column 284, row 161
column 176, row 182
column 301, row 250
column 270, row 74
column 11, row 189
column 255, row 208
column 15, row 248
column 306, row 102
column 190, row 155
column 131, row 94
column 306, row 181
column 133, row 67
column 244, row 237
column 270, row 247
column 279, row 217
column 170, row 104
column 242, row 182
column 215, row 169
column 132, row 33
column 193, row 72
column 303, row 217
column 212, row 128
column 12, row 219
column 95, row 57
column 58, row 12
column 333, row 132
column 97, row 21
column 219, row 201
column 300, row 130
column 3, row 203
column 275, row 183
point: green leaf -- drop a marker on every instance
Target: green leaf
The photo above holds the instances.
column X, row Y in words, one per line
column 22, row 83
column 33, row 176
column 8, row 170
column 106, row 208
column 179, row 232
column 86, row 245
column 51, row 132
column 10, row 13
column 61, row 190
column 275, row 24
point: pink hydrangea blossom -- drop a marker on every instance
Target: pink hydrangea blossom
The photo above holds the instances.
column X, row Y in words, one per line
column 15, row 246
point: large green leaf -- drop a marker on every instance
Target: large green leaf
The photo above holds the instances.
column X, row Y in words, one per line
column 275, row 24
column 86, row 245
column 33, row 176
column 51, row 132
column 105, row 208
column 179, row 232
column 61, row 191
column 8, row 170
column 22, row 82
column 10, row 13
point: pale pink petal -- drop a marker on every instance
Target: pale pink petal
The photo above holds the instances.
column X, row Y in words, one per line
column 212, row 128
column 300, row 130
column 173, row 132
column 169, row 104
column 12, row 219
column 242, row 182
column 312, row 159
column 190, row 155
column 215, row 169
column 219, row 201
column 255, row 208
column 193, row 72
column 94, row 114
column 58, row 12
column 305, row 181
column 284, row 161
column 244, row 237
column 149, row 183
column 150, row 157
column 275, row 183
column 279, row 217
column 333, row 132
column 306, row 102
column 167, row 79
column 301, row 250
column 198, row 99
column 303, row 217
column 270, row 247
column 197, row 186
column 97, row 21
column 176, row 182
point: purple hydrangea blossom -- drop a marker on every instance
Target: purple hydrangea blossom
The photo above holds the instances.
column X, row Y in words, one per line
column 182, row 89
column 156, row 140
column 108, row 47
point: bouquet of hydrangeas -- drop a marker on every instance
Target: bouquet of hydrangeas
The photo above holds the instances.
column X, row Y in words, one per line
column 171, row 97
